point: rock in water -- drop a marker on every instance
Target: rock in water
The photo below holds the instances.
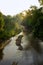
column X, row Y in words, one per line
column 18, row 40
column 20, row 48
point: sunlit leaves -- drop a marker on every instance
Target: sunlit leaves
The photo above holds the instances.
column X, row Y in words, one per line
column 41, row 2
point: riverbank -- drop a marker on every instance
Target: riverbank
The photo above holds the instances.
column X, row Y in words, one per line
column 4, row 43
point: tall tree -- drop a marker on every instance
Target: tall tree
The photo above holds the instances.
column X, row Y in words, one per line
column 1, row 21
column 41, row 2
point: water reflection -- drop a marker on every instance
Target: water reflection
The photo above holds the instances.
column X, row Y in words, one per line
column 14, row 63
column 1, row 54
column 13, row 56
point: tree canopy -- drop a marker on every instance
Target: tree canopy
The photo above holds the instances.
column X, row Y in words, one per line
column 34, row 22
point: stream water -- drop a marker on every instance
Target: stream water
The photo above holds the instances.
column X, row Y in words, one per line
column 11, row 54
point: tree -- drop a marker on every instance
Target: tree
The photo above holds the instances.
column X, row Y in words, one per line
column 34, row 22
column 1, row 22
column 41, row 2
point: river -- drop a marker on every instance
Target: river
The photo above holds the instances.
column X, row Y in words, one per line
column 11, row 54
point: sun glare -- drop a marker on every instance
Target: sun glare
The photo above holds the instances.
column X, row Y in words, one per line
column 24, row 13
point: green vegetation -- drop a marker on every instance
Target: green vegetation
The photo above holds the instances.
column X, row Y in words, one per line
column 33, row 22
column 41, row 2
column 9, row 26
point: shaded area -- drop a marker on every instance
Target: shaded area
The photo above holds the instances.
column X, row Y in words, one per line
column 35, row 43
column 1, row 54
column 14, row 63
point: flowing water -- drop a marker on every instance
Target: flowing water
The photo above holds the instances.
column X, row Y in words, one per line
column 11, row 54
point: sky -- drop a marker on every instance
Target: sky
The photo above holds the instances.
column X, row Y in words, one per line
column 13, row 7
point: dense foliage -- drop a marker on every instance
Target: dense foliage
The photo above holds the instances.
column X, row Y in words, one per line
column 41, row 2
column 9, row 26
column 33, row 22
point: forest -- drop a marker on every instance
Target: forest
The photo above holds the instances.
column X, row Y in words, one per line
column 33, row 22
column 9, row 26
column 21, row 37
